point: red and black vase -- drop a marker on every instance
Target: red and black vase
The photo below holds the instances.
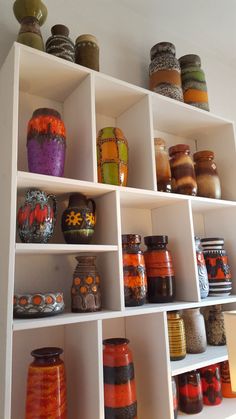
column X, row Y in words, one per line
column 211, row 385
column 119, row 381
column 190, row 392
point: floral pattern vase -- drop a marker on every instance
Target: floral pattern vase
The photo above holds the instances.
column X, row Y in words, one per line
column 79, row 219
column 37, row 217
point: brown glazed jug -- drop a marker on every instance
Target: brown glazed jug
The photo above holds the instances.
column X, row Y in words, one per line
column 78, row 220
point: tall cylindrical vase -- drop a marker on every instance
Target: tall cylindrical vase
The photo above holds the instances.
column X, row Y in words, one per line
column 211, row 385
column 46, row 385
column 190, row 392
column 119, row 381
column 196, row 341
column 176, row 333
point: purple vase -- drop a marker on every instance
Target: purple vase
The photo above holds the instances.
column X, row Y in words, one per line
column 46, row 143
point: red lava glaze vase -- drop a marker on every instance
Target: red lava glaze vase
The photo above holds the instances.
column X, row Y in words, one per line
column 119, row 381
column 211, row 385
column 190, row 392
column 46, row 385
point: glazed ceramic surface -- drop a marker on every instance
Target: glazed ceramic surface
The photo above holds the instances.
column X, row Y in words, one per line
column 112, row 156
column 226, row 387
column 87, row 51
column 46, row 382
column 182, row 170
column 195, row 332
column 164, row 71
column 59, row 44
column 193, row 82
column 211, row 385
column 190, row 392
column 38, row 305
column 215, row 327
column 36, row 218
column 86, row 289
column 46, row 143
column 208, row 182
column 134, row 271
column 202, row 270
column 160, row 272
column 176, row 334
column 119, row 380
column 163, row 172
column 175, row 397
column 79, row 219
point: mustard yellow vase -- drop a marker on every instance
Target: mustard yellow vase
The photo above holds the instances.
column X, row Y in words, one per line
column 112, row 156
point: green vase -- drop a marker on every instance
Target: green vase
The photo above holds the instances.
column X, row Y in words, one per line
column 31, row 14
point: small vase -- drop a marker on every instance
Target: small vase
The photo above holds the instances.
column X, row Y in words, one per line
column 134, row 271
column 211, row 385
column 59, row 44
column 226, row 387
column 164, row 71
column 190, row 392
column 46, row 143
column 37, row 217
column 208, row 181
column 112, row 157
column 202, row 270
column 46, row 385
column 195, row 333
column 78, row 220
column 215, row 328
column 182, row 170
column 119, row 381
column 31, row 15
column 86, row 290
column 163, row 173
column 176, row 334
column 87, row 51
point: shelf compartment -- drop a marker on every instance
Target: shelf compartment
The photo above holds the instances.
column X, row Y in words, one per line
column 82, row 366
column 225, row 410
column 212, row 355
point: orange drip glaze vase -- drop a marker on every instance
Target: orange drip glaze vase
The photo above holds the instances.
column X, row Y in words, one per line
column 112, row 157
column 226, row 387
column 46, row 385
column 119, row 381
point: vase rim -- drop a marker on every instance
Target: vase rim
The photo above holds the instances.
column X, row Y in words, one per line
column 116, row 341
column 46, row 352
column 45, row 112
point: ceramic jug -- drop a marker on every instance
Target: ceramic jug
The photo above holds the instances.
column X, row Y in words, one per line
column 79, row 219
column 36, row 217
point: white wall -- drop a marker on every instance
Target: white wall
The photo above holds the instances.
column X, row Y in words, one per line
column 127, row 29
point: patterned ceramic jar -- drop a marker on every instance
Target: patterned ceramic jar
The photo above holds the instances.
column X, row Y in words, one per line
column 215, row 327
column 195, row 332
column 112, row 156
column 59, row 44
column 164, row 71
column 182, row 170
column 176, row 333
column 163, row 172
column 87, row 51
column 202, row 270
column 211, row 385
column 38, row 305
column 193, row 82
column 208, row 182
column 190, row 392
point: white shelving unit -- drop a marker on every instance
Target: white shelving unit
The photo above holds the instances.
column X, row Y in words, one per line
column 88, row 100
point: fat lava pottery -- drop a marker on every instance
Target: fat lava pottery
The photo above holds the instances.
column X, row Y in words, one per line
column 164, row 71
column 38, row 305
column 87, row 51
column 208, row 181
column 59, row 44
column 46, row 143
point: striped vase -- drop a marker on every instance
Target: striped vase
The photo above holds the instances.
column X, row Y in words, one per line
column 119, row 382
column 176, row 332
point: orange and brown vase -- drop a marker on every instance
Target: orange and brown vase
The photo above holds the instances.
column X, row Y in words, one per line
column 182, row 170
column 119, row 381
column 160, row 272
column 226, row 387
column 46, row 385
column 211, row 385
column 190, row 392
column 134, row 270
column 112, row 156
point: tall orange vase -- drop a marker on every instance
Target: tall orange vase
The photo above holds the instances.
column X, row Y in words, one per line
column 46, row 385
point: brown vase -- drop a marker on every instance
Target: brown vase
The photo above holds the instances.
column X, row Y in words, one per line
column 182, row 170
column 208, row 181
column 87, row 51
column 215, row 328
column 86, row 291
column 163, row 172
column 59, row 44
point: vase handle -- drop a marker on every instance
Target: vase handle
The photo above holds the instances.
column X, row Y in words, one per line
column 93, row 205
column 54, row 202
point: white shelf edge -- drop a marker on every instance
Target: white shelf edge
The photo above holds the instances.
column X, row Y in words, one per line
column 212, row 355
column 35, row 248
column 225, row 410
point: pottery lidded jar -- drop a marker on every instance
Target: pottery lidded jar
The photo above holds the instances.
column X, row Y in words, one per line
column 195, row 332
column 36, row 218
column 208, row 182
column 59, row 44
column 182, row 170
column 164, row 71
column 86, row 287
column 112, row 156
column 79, row 219
column 46, row 382
column 46, row 143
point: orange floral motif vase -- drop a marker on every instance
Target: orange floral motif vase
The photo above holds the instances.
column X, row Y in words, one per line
column 46, row 385
column 79, row 219
column 86, row 290
column 119, row 381
column 112, row 156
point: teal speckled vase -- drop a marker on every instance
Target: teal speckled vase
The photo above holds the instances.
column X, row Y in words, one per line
column 31, row 14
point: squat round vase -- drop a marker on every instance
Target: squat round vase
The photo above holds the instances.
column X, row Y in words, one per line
column 86, row 290
column 59, row 44
column 190, row 392
column 36, row 217
column 201, row 269
column 112, row 156
column 119, row 380
column 176, row 334
column 78, row 220
column 211, row 385
column 87, row 51
column 31, row 15
column 195, row 332
column 46, row 143
column 164, row 71
column 46, row 385
column 193, row 81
